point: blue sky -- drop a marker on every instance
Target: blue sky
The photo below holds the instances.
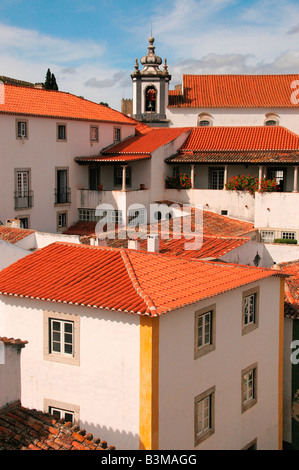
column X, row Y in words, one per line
column 91, row 46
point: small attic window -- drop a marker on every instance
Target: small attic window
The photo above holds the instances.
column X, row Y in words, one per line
column 271, row 120
column 204, row 120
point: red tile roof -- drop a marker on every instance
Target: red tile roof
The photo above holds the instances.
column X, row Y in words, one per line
column 213, row 225
column 291, row 305
column 13, row 235
column 117, row 279
column 240, row 144
column 27, row 101
column 145, row 141
column 24, row 429
column 13, row 342
column 235, row 91
column 241, row 138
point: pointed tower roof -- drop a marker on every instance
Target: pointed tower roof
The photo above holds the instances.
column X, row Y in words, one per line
column 151, row 61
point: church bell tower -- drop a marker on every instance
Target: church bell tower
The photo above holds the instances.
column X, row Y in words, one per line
column 150, row 89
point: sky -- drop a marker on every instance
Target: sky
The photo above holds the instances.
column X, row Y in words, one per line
column 91, row 46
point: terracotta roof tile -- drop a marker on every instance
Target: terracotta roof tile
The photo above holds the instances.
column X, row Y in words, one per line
column 13, row 342
column 241, row 138
column 213, row 225
column 117, row 279
column 13, row 235
column 291, row 305
column 25, row 429
column 235, row 91
column 56, row 104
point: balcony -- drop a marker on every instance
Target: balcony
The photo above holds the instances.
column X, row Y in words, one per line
column 23, row 199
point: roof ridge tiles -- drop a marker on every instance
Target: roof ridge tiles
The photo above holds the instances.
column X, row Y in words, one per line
column 150, row 304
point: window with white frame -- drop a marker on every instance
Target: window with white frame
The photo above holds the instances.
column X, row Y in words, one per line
column 205, row 326
column 61, row 220
column 137, row 217
column 204, row 415
column 68, row 416
column 250, row 310
column 61, row 337
column 249, row 387
column 217, row 178
column 267, row 236
column 118, row 176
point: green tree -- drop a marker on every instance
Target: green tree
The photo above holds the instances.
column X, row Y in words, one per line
column 50, row 82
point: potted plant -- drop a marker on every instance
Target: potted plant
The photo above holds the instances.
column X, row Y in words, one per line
column 142, row 186
column 100, row 187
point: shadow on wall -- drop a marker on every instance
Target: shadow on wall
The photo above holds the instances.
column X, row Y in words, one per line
column 122, row 440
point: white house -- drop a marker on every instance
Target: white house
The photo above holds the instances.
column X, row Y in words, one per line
column 41, row 133
column 152, row 351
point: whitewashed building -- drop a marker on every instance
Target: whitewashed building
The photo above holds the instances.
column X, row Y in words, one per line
column 154, row 352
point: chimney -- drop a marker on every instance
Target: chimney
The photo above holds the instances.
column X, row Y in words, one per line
column 153, row 243
column 13, row 223
column 134, row 244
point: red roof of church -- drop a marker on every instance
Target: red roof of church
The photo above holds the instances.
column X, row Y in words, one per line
column 235, row 91
column 26, row 101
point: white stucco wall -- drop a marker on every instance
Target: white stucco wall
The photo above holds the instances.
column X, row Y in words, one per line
column 10, row 254
column 276, row 210
column 10, row 379
column 105, row 385
column 42, row 154
column 181, row 117
column 182, row 378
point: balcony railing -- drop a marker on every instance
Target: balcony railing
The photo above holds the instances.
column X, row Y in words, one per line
column 23, row 199
column 63, row 196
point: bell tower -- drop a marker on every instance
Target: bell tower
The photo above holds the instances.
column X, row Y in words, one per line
column 150, row 89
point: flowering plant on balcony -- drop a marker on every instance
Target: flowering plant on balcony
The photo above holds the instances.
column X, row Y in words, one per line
column 251, row 184
column 181, row 181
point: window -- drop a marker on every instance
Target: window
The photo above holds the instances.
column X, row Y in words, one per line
column 88, row 215
column 61, row 337
column 267, row 236
column 22, row 129
column 24, row 222
column 136, row 217
column 116, row 134
column 61, row 220
column 205, row 322
column 112, row 216
column 288, row 235
column 68, row 416
column 217, row 178
column 61, row 410
column 279, row 176
column 94, row 178
column 62, row 193
column 118, row 176
column 271, row 119
column 61, row 132
column 23, row 195
column 204, row 119
column 249, row 387
column 204, row 415
column 250, row 310
column 94, row 133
